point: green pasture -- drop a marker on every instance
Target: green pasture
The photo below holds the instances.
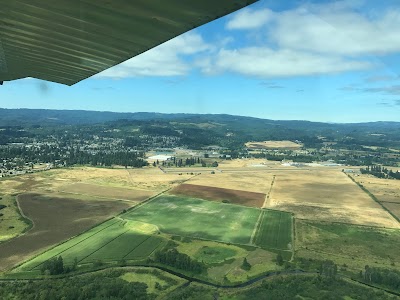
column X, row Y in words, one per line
column 275, row 230
column 111, row 241
column 136, row 234
column 198, row 218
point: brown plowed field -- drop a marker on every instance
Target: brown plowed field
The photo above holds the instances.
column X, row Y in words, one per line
column 218, row 194
column 55, row 220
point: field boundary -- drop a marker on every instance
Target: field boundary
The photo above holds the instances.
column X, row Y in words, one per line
column 135, row 247
column 372, row 196
column 257, row 227
column 268, row 195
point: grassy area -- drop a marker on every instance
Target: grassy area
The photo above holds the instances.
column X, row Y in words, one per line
column 211, row 252
column 224, row 261
column 158, row 282
column 354, row 246
column 111, row 241
column 275, row 230
column 12, row 223
column 198, row 218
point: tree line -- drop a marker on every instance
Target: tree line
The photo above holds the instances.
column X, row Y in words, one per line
column 380, row 172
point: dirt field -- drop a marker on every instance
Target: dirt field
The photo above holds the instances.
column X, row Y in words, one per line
column 107, row 192
column 386, row 190
column 246, row 163
column 55, row 220
column 273, row 145
column 328, row 195
column 257, row 182
column 218, row 194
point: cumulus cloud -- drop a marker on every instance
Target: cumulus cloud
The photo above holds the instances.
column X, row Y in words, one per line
column 164, row 60
column 311, row 39
column 250, row 19
column 266, row 62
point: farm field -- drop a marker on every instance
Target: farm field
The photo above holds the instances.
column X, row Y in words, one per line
column 143, row 180
column 233, row 196
column 107, row 192
column 136, row 234
column 385, row 190
column 255, row 182
column 394, row 208
column 275, row 230
column 55, row 220
column 352, row 245
column 11, row 223
column 273, row 145
column 327, row 195
column 198, row 218
column 111, row 241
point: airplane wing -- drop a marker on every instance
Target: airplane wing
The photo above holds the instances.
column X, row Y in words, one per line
column 66, row 41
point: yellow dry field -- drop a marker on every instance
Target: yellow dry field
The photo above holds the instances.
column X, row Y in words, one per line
column 273, row 145
column 326, row 195
column 107, row 192
column 147, row 179
column 393, row 207
column 251, row 163
column 258, row 182
column 385, row 190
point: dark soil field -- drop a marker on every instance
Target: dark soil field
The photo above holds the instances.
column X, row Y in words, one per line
column 251, row 199
column 54, row 220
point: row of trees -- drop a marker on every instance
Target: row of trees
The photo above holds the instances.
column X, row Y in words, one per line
column 380, row 172
column 387, row 277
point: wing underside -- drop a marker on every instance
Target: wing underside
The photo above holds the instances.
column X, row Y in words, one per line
column 66, row 41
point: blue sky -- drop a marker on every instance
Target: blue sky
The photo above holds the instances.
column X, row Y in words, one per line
column 310, row 60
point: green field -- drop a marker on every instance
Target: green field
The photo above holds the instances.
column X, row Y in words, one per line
column 113, row 240
column 141, row 231
column 199, row 218
column 275, row 230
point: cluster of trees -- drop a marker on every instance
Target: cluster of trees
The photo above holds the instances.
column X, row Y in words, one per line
column 285, row 287
column 102, row 285
column 107, row 159
column 380, row 172
column 178, row 260
column 386, row 277
column 55, row 266
column 71, row 156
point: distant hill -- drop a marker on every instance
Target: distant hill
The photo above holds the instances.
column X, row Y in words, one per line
column 26, row 117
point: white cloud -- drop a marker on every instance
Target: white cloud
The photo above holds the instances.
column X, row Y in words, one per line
column 336, row 28
column 250, row 19
column 265, row 62
column 344, row 33
column 312, row 39
column 164, row 60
